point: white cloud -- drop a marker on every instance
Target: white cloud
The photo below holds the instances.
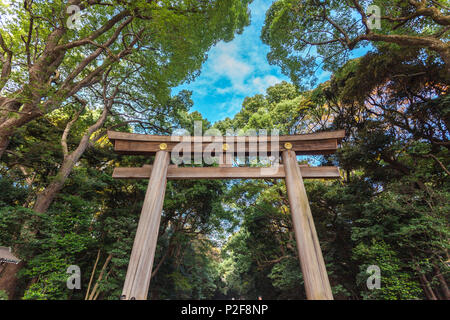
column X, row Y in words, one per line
column 261, row 84
column 246, row 75
column 232, row 68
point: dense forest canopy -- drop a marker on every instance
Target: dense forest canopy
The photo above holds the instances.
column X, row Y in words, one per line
column 62, row 88
column 300, row 32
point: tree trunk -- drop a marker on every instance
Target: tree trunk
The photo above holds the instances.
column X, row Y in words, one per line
column 442, row 282
column 429, row 293
column 8, row 279
column 4, row 142
column 46, row 197
column 7, row 106
column 8, row 124
column 95, row 292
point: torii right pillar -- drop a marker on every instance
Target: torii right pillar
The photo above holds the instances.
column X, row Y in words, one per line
column 315, row 275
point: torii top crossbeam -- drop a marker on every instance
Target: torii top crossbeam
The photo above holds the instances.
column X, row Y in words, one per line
column 308, row 144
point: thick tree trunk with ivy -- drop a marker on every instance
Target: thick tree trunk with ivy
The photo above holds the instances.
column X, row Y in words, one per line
column 11, row 119
column 8, row 279
column 46, row 197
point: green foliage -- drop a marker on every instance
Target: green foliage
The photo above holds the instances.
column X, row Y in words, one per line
column 396, row 280
column 306, row 35
column 282, row 108
column 3, row 295
column 174, row 40
column 286, row 275
column 235, row 239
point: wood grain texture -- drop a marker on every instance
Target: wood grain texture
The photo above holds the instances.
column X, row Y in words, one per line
column 308, row 147
column 139, row 271
column 178, row 173
column 309, row 144
column 114, row 135
column 317, row 284
column 226, row 160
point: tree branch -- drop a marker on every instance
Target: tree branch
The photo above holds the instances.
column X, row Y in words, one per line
column 7, row 62
column 69, row 126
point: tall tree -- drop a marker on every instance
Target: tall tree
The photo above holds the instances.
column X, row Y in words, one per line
column 304, row 34
column 49, row 53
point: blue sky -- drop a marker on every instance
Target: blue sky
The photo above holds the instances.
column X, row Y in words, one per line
column 235, row 70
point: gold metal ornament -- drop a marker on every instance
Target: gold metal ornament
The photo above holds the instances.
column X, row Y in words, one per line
column 163, row 146
column 288, row 145
column 225, row 147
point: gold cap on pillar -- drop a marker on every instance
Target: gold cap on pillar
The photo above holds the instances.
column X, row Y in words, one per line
column 288, row 145
column 163, row 146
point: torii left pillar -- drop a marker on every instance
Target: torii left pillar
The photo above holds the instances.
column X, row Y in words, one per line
column 139, row 273
column 317, row 284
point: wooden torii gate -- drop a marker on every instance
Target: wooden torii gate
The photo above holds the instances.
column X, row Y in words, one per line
column 139, row 271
